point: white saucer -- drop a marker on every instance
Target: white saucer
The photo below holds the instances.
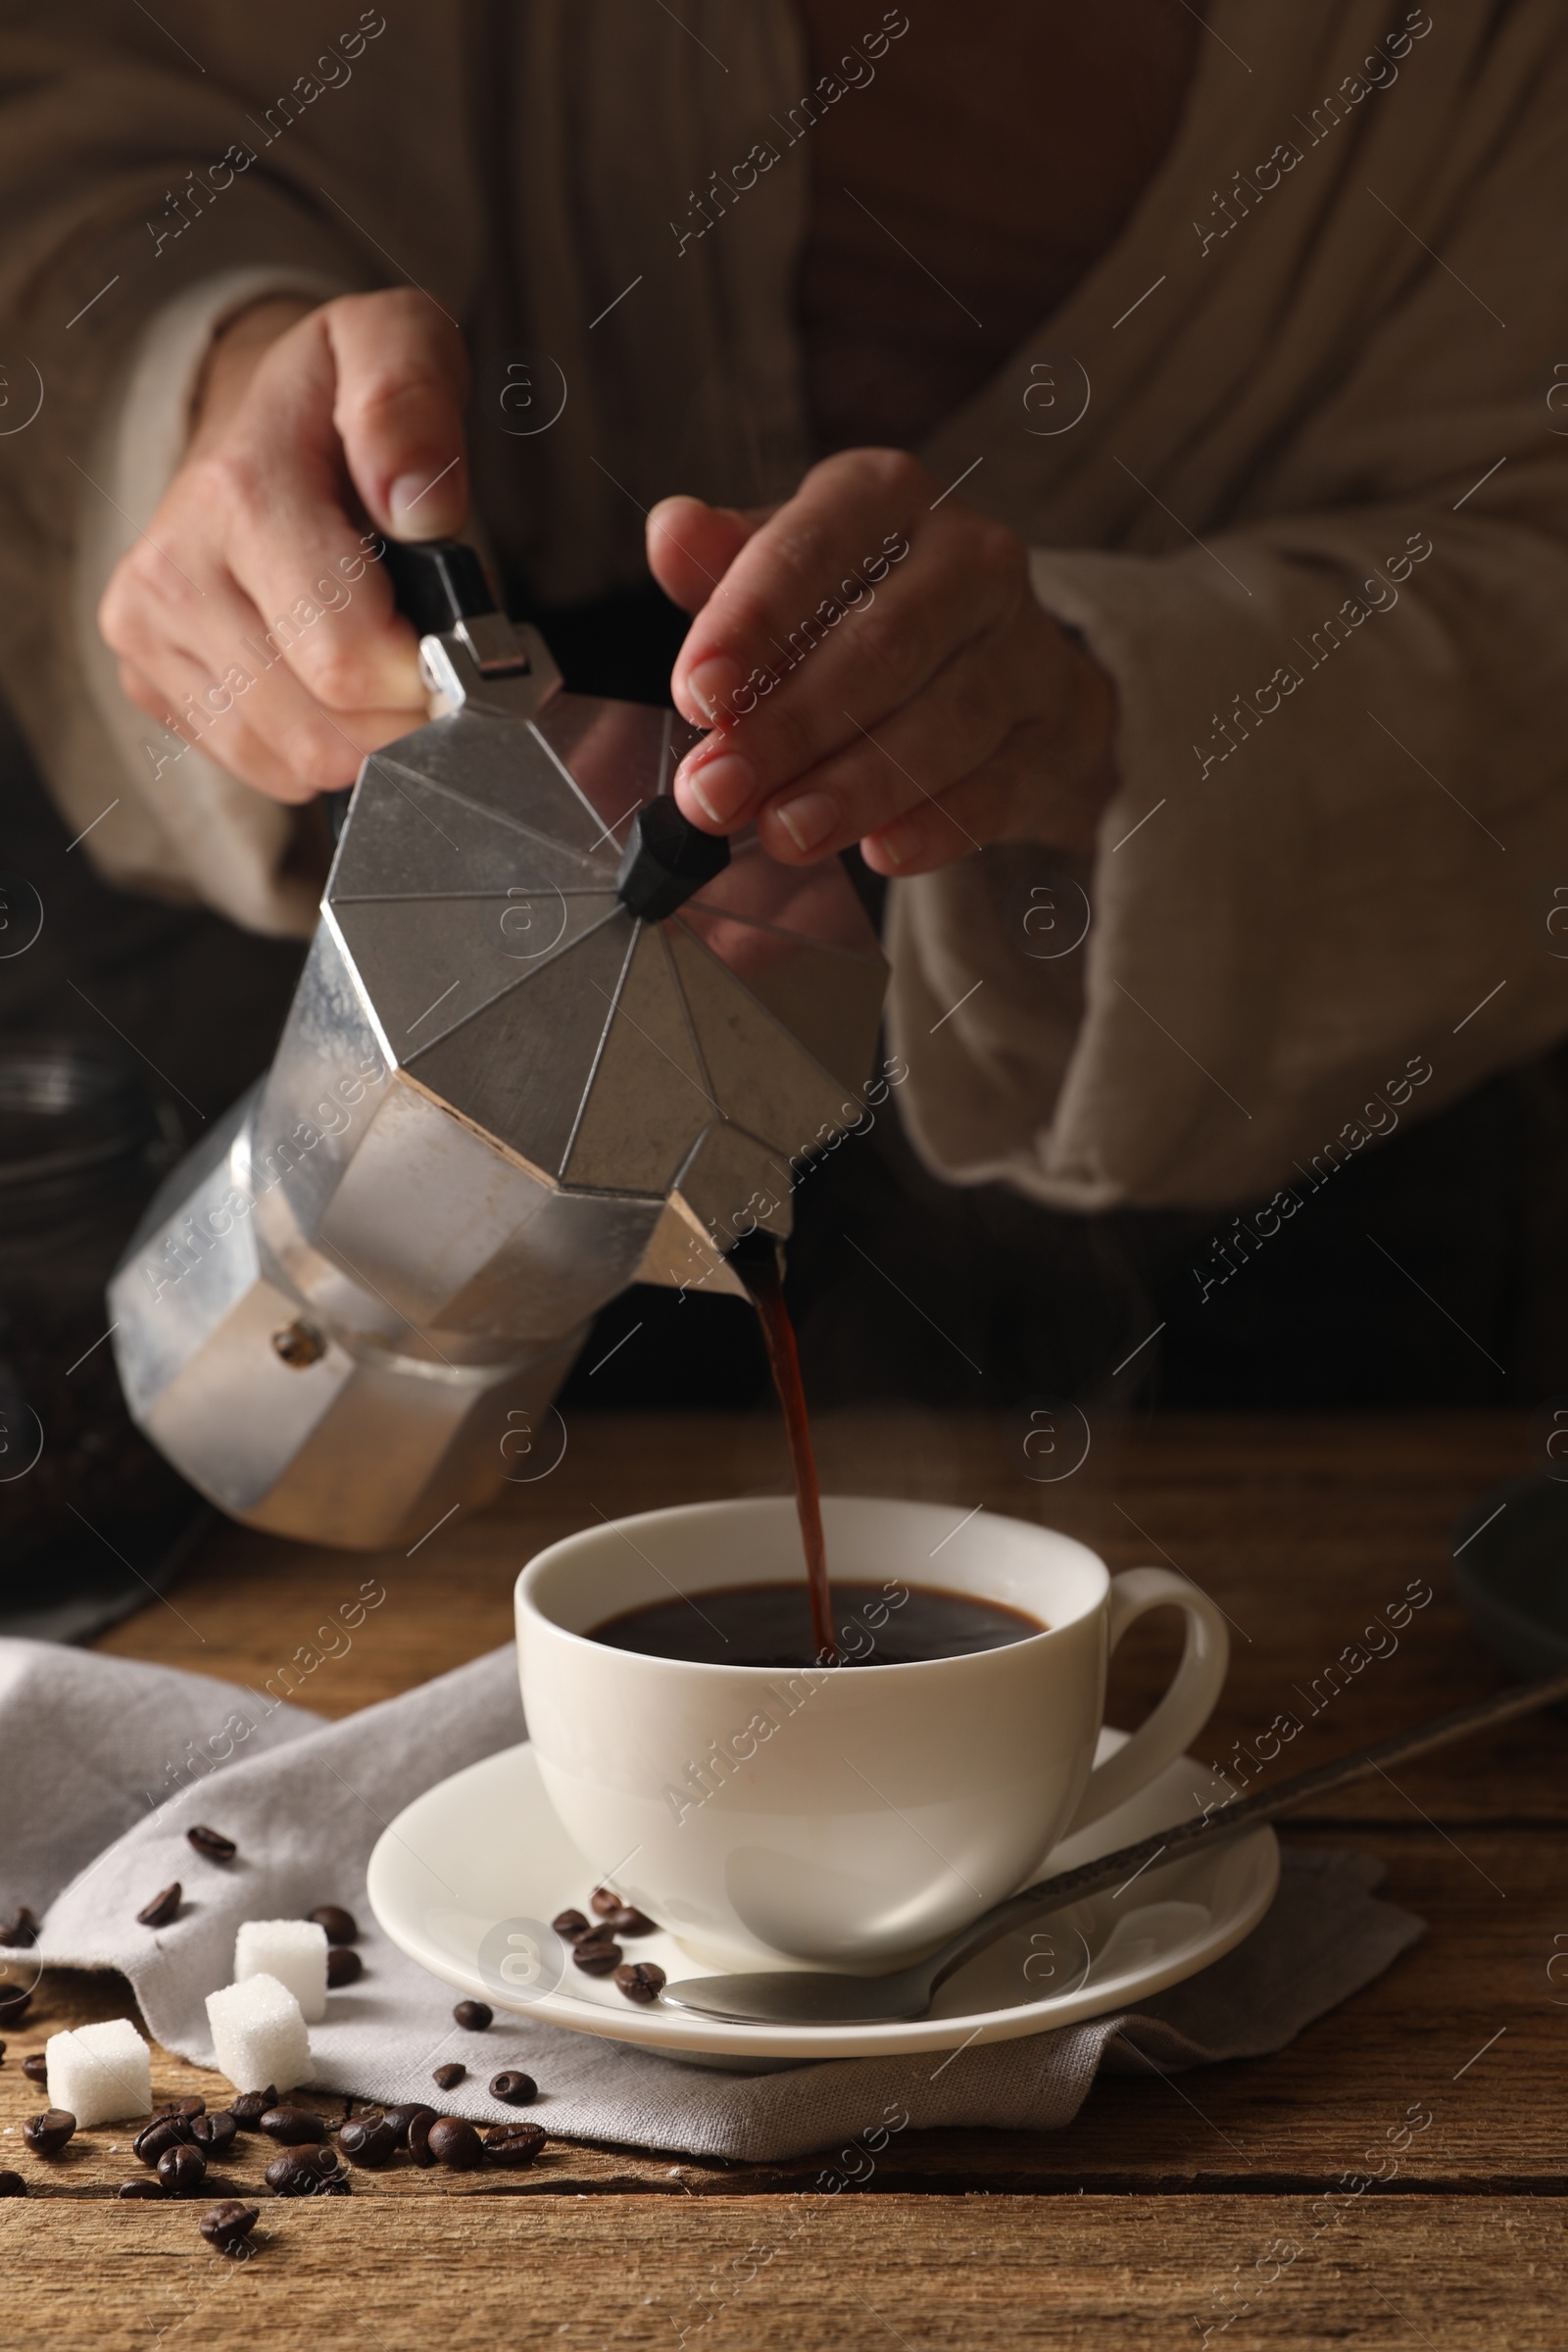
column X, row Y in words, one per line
column 468, row 1877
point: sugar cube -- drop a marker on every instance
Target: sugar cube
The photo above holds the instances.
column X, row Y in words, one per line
column 101, row 2073
column 294, row 1951
column 258, row 2035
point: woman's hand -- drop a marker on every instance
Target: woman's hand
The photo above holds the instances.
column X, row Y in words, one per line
column 874, row 667
column 309, row 422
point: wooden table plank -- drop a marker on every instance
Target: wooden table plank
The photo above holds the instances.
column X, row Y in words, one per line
column 1468, row 2273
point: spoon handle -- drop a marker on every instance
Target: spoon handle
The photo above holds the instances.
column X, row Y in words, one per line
column 1237, row 1816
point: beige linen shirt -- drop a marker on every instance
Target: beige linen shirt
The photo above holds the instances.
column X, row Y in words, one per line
column 1290, row 458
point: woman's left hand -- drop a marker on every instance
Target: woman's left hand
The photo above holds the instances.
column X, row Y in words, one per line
column 874, row 667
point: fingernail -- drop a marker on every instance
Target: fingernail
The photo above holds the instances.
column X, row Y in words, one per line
column 722, row 787
column 809, row 819
column 415, row 505
column 713, row 685
column 901, row 842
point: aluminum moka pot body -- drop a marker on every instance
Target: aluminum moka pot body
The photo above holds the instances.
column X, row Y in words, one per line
column 540, row 1050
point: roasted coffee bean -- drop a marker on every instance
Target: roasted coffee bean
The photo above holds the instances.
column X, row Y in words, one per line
column 570, row 1925
column 343, row 1966
column 446, row 2078
column 474, row 2016
column 597, row 1954
column 512, row 2144
column 212, row 1844
column 229, row 2224
column 303, row 2172
column 181, row 2171
column 294, row 2126
column 12, row 2184
column 516, row 2090
column 455, row 2144
column 603, row 1901
column 640, row 1981
column 628, row 1920
column 149, row 2185
column 368, row 2141
column 163, row 2132
column 22, row 1933
column 14, row 2006
column 400, row 2118
column 420, row 2124
column 47, row 2133
column 249, row 2107
column 36, row 2066
column 341, row 1926
column 215, row 2134
column 161, row 1909
column 190, row 2107
column 2, row 2054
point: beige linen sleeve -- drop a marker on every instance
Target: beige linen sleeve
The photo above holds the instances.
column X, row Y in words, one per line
column 187, row 819
column 157, row 172
column 1342, row 747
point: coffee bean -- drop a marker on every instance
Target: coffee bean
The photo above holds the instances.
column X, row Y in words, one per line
column 161, row 1909
column 249, row 2107
column 449, row 2076
column 47, row 2133
column 474, row 2016
column 164, row 2131
column 304, row 2173
column 597, row 1955
column 229, row 2224
column 14, row 2006
column 603, row 1901
column 368, row 2141
column 518, row 2090
column 400, row 2118
column 2, row 2054
column 570, row 1925
column 455, row 2144
column 36, row 2066
column 214, row 2134
column 149, row 2185
column 343, row 1966
column 628, row 1920
column 514, row 2143
column 12, row 2184
column 420, row 2124
column 294, row 2126
column 640, row 1981
column 212, row 1844
column 340, row 1926
column 22, row 1932
column 192, row 2107
column 181, row 2171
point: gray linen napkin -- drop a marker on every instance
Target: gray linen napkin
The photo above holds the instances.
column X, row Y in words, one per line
column 86, row 1741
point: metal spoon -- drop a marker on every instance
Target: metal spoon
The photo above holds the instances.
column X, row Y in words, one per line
column 790, row 1996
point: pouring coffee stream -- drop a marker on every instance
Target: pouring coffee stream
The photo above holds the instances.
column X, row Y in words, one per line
column 756, row 1259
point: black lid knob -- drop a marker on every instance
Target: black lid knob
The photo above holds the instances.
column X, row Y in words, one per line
column 666, row 860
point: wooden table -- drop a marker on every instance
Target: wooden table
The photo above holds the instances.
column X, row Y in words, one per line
column 1170, row 2206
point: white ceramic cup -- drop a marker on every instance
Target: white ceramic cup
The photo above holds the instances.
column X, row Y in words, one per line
column 849, row 1817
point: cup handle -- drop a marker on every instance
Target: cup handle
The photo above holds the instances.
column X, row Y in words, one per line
column 1186, row 1706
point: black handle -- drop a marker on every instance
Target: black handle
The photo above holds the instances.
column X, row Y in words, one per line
column 435, row 584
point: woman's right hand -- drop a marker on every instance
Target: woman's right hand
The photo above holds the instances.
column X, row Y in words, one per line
column 311, row 425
